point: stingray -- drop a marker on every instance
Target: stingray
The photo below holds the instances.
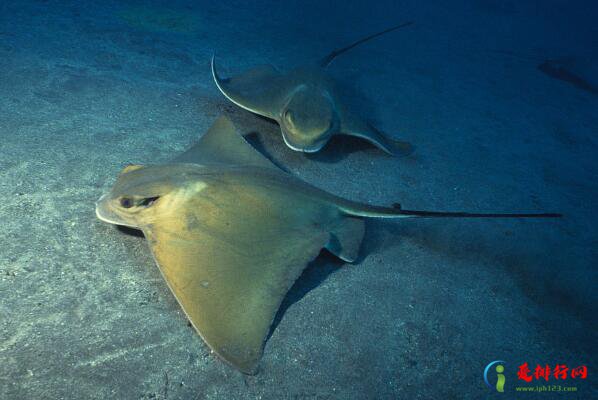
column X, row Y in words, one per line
column 558, row 69
column 306, row 103
column 231, row 232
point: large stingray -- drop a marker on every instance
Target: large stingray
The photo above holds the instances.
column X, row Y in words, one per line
column 230, row 233
column 305, row 102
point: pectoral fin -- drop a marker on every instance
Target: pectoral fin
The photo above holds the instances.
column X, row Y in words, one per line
column 231, row 278
column 353, row 126
column 261, row 90
column 221, row 144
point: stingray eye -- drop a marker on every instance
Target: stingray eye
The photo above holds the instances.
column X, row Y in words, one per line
column 126, row 202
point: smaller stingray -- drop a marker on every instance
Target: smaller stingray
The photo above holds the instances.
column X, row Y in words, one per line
column 558, row 69
column 305, row 102
column 231, row 232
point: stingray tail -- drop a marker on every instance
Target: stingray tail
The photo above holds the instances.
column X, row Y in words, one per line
column 324, row 62
column 396, row 211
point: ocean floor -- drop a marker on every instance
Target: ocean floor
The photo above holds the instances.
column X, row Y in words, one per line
column 87, row 88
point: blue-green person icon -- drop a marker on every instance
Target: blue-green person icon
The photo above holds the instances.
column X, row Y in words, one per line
column 500, row 377
column 500, row 381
